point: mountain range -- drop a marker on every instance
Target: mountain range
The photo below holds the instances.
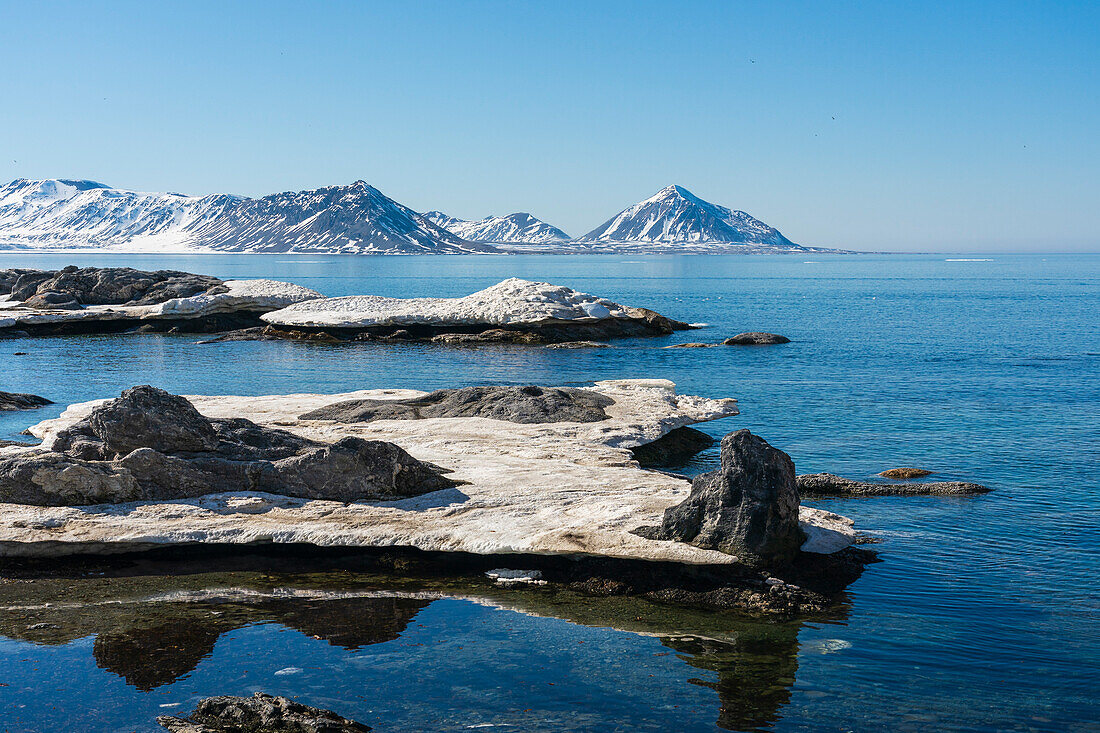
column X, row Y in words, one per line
column 63, row 214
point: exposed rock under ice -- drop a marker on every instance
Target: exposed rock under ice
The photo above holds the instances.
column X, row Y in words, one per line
column 563, row 488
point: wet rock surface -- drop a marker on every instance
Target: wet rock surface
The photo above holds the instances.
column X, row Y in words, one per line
column 747, row 508
column 10, row 401
column 675, row 446
column 151, row 445
column 756, row 338
column 515, row 404
column 79, row 286
column 828, row 484
column 261, row 713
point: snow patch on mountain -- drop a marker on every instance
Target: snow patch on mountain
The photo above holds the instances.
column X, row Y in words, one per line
column 355, row 219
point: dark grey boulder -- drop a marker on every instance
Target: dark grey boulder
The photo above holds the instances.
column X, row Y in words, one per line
column 21, row 401
column 905, row 473
column 756, row 338
column 828, row 484
column 50, row 300
column 151, row 445
column 514, row 404
column 106, row 285
column 143, row 417
column 675, row 446
column 747, row 508
column 261, row 713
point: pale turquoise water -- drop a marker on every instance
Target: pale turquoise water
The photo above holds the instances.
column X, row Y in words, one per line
column 983, row 614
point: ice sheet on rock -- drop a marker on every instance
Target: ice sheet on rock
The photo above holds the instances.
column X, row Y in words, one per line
column 549, row 488
column 513, row 301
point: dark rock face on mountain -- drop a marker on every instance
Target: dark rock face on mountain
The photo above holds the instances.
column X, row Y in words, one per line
column 78, row 286
column 151, row 445
column 756, row 338
column 747, row 508
column 514, row 404
column 261, row 713
column 673, row 447
column 20, row 401
column 827, row 484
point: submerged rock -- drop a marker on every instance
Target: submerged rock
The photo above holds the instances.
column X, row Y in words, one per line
column 747, row 508
column 675, row 446
column 905, row 473
column 578, row 345
column 828, row 484
column 514, row 404
column 10, row 401
column 691, row 345
column 152, row 445
column 756, row 338
column 261, row 713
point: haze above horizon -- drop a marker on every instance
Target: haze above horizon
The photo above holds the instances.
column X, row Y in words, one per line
column 934, row 127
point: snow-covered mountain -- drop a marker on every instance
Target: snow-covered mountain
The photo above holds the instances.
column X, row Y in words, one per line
column 353, row 219
column 674, row 219
column 519, row 228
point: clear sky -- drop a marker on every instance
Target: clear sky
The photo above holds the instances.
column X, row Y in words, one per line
column 925, row 126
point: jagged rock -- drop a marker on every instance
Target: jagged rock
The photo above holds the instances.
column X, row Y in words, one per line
column 827, row 484
column 493, row 335
column 20, row 401
column 143, row 417
column 261, row 713
column 110, row 285
column 756, row 338
column 151, row 445
column 905, row 473
column 514, row 404
column 673, row 447
column 747, row 508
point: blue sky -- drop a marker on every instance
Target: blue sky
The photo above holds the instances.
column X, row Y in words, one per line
column 909, row 126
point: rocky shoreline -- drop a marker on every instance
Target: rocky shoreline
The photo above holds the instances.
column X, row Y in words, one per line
column 122, row 300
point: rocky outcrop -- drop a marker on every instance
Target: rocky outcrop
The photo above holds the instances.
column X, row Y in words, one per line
column 747, row 508
column 151, row 445
column 105, row 286
column 514, row 404
column 756, row 338
column 514, row 310
column 261, row 713
column 828, row 484
column 114, row 299
column 905, row 473
column 10, row 401
column 675, row 446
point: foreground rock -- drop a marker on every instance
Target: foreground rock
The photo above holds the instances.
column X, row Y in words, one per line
column 10, row 401
column 519, row 311
column 112, row 299
column 149, row 445
column 748, row 508
column 261, row 713
column 561, row 488
column 514, row 404
column 827, row 484
column 756, row 338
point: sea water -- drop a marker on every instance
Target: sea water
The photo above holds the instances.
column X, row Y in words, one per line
column 983, row 613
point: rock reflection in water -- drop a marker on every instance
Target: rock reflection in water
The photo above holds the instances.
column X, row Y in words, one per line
column 154, row 631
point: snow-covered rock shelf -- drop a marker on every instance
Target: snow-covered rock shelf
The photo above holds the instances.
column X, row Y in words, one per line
column 557, row 488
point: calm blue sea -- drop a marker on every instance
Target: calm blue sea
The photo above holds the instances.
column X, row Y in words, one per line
column 983, row 615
